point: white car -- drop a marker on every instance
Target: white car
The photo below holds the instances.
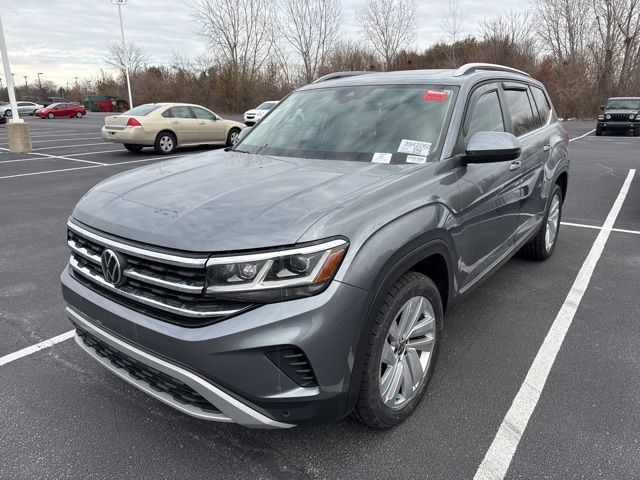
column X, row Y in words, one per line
column 24, row 108
column 252, row 116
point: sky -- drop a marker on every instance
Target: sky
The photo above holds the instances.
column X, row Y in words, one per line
column 63, row 39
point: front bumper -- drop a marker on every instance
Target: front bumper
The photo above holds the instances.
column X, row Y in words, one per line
column 226, row 362
column 132, row 135
column 608, row 125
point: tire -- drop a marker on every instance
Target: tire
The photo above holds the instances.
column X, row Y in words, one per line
column 165, row 143
column 133, row 148
column 636, row 131
column 79, row 115
column 598, row 130
column 538, row 248
column 34, row 113
column 380, row 405
column 8, row 113
column 232, row 137
column 51, row 115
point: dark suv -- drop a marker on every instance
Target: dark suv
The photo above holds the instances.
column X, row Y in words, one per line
column 620, row 114
column 305, row 273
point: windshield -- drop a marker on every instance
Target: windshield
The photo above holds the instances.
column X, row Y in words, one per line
column 266, row 106
column 142, row 110
column 624, row 103
column 373, row 123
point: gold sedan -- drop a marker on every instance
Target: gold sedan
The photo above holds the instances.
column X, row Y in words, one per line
column 166, row 126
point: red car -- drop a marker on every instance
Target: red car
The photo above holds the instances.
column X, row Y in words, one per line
column 62, row 110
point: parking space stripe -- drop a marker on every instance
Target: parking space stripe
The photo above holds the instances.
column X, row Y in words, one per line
column 35, row 348
column 496, row 462
column 595, row 227
column 89, row 166
column 48, row 140
column 582, row 136
column 69, row 146
column 95, row 153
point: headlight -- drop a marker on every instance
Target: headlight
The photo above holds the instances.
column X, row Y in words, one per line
column 632, row 116
column 276, row 275
column 607, row 116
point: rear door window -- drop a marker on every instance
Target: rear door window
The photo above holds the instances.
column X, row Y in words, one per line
column 542, row 102
column 523, row 118
column 202, row 114
column 486, row 115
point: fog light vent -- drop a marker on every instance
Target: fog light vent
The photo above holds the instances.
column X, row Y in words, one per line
column 294, row 364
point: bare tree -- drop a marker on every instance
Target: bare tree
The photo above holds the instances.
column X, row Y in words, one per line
column 240, row 32
column 452, row 26
column 389, row 26
column 564, row 27
column 310, row 28
column 129, row 55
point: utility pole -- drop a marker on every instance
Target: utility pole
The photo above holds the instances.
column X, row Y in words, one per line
column 125, row 57
column 17, row 130
column 39, row 82
column 76, row 82
column 26, row 85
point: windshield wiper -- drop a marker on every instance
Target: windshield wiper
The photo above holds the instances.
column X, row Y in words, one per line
column 231, row 149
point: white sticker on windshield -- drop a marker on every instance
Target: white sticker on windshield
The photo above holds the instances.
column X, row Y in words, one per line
column 414, row 147
column 381, row 157
column 416, row 159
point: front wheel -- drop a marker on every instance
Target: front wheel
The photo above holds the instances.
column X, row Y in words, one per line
column 636, row 131
column 233, row 137
column 78, row 114
column 598, row 130
column 401, row 352
column 51, row 115
column 165, row 143
column 543, row 244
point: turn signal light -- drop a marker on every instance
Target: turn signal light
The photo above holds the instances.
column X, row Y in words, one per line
column 133, row 123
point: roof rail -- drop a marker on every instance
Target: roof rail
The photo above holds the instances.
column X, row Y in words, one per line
column 474, row 67
column 337, row 75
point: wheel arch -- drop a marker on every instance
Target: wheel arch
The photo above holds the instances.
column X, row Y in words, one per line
column 167, row 130
column 563, row 182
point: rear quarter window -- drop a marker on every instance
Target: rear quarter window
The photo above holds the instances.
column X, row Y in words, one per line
column 542, row 102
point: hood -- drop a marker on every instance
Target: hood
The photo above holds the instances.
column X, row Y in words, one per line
column 226, row 201
column 616, row 111
column 255, row 111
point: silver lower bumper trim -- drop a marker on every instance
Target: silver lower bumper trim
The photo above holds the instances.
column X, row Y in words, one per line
column 232, row 409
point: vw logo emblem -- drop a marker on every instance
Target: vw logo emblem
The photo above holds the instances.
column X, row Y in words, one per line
column 111, row 268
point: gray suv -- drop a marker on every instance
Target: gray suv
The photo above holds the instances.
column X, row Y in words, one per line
column 305, row 273
column 620, row 114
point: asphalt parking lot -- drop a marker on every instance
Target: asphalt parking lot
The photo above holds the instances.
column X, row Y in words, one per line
column 65, row 416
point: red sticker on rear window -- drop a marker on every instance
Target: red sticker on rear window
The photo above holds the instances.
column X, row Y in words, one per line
column 435, row 96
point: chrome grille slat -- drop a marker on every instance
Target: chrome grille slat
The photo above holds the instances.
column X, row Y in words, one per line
column 161, row 284
column 145, row 300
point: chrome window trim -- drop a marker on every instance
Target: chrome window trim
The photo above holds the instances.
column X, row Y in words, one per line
column 148, row 301
column 139, row 252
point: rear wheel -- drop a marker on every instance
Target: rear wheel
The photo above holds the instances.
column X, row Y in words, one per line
column 51, row 115
column 8, row 113
column 233, row 137
column 133, row 148
column 401, row 352
column 165, row 143
column 598, row 130
column 543, row 244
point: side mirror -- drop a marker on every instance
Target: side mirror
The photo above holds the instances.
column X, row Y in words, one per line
column 491, row 147
column 602, row 107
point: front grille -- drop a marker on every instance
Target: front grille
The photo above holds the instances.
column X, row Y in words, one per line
column 157, row 380
column 159, row 284
column 619, row 117
column 294, row 363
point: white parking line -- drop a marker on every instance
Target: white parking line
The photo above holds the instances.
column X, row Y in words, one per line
column 51, row 134
column 92, row 137
column 95, row 153
column 69, row 146
column 496, row 462
column 35, row 348
column 581, row 136
column 594, row 227
column 89, row 166
column 60, row 157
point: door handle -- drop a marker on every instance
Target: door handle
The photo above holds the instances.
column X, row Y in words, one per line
column 175, row 121
column 547, row 147
column 202, row 123
column 515, row 165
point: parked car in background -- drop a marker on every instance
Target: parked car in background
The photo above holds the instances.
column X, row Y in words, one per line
column 252, row 116
column 166, row 126
column 24, row 108
column 305, row 273
column 57, row 110
column 52, row 100
column 620, row 114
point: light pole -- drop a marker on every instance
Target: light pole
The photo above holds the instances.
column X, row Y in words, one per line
column 39, row 82
column 26, row 85
column 125, row 56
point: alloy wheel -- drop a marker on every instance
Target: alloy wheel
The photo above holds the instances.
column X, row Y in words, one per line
column 553, row 218
column 166, row 143
column 407, row 352
column 233, row 138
